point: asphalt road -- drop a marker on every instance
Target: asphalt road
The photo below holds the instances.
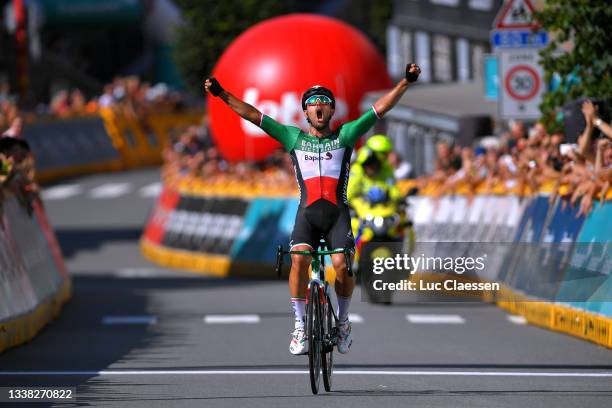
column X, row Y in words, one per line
column 137, row 335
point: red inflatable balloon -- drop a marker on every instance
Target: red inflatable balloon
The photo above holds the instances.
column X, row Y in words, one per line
column 274, row 62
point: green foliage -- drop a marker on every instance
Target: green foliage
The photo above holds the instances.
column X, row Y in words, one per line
column 585, row 70
column 211, row 26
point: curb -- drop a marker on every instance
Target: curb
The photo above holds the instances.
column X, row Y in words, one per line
column 204, row 264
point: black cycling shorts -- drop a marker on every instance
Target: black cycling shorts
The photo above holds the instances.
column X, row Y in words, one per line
column 323, row 219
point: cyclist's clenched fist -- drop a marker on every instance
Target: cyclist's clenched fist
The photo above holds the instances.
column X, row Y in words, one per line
column 412, row 72
column 213, row 86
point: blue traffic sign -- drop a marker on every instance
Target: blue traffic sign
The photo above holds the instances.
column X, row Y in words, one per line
column 518, row 39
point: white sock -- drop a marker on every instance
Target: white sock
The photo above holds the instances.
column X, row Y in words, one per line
column 343, row 306
column 299, row 310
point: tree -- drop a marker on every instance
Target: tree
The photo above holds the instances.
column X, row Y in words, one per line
column 210, row 28
column 586, row 68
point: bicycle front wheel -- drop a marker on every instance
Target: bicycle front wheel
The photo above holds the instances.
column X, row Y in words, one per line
column 313, row 330
column 327, row 351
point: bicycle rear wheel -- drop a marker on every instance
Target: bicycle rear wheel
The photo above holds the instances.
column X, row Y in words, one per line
column 313, row 330
column 327, row 352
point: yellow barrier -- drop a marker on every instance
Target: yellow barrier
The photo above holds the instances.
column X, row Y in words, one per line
column 207, row 264
column 140, row 141
column 565, row 319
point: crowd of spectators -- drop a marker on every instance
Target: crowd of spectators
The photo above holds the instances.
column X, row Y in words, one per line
column 128, row 96
column 191, row 155
column 523, row 160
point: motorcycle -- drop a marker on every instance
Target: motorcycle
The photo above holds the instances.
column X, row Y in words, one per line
column 386, row 227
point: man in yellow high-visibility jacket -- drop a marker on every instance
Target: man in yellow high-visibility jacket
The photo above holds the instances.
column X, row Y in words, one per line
column 371, row 180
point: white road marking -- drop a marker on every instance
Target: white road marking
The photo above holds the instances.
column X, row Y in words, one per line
column 517, row 319
column 434, row 319
column 152, row 190
column 123, row 320
column 110, row 190
column 355, row 318
column 301, row 372
column 231, row 319
column 60, row 192
column 144, row 272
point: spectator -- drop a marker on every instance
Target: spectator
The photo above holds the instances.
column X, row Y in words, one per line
column 15, row 130
column 60, row 104
column 517, row 130
column 5, row 92
column 402, row 169
column 78, row 105
column 107, row 100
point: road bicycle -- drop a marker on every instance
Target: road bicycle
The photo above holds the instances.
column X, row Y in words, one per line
column 321, row 319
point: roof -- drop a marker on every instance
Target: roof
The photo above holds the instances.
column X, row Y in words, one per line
column 444, row 101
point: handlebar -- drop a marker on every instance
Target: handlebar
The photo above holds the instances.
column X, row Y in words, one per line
column 280, row 252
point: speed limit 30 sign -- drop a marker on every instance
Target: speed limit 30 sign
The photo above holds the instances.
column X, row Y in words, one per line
column 521, row 76
column 522, row 82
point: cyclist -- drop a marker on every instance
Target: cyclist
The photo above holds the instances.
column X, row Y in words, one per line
column 321, row 159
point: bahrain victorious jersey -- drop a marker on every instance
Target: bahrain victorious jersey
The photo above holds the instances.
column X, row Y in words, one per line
column 321, row 164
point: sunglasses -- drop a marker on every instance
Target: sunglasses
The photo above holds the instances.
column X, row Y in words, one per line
column 322, row 99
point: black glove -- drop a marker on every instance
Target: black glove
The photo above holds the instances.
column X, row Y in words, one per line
column 412, row 76
column 215, row 87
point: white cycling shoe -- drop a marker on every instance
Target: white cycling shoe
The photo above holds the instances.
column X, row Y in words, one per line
column 345, row 336
column 298, row 343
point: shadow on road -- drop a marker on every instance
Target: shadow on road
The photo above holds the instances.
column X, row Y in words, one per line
column 78, row 341
column 75, row 240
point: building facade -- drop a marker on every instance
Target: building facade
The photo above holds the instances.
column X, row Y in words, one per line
column 447, row 38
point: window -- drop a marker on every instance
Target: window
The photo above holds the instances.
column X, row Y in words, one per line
column 442, row 65
column 478, row 52
column 482, row 5
column 394, row 60
column 406, row 48
column 463, row 59
column 423, row 55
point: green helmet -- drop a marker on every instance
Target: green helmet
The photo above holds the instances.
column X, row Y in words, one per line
column 380, row 144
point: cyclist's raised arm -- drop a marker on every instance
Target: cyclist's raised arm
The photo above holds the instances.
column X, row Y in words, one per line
column 386, row 102
column 287, row 135
column 352, row 131
column 243, row 109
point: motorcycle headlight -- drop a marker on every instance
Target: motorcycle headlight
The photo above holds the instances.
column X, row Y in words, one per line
column 378, row 222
